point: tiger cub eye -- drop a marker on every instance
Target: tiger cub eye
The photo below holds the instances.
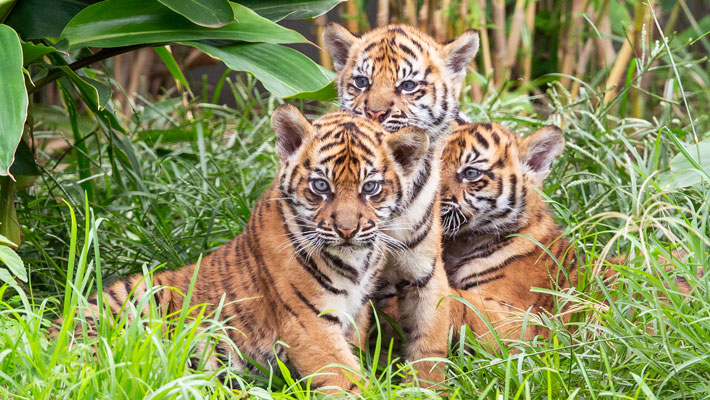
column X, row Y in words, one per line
column 471, row 173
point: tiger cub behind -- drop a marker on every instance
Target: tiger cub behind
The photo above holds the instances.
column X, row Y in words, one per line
column 489, row 192
column 401, row 77
column 313, row 244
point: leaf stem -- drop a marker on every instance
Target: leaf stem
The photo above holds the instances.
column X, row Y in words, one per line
column 78, row 64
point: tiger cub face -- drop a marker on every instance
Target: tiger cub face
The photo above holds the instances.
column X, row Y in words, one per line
column 400, row 76
column 487, row 176
column 343, row 176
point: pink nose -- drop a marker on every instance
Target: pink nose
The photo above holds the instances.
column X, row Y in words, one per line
column 378, row 115
column 346, row 232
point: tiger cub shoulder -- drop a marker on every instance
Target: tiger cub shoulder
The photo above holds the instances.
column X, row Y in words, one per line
column 309, row 257
column 400, row 76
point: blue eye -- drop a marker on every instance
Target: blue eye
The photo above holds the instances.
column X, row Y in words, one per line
column 471, row 173
column 370, row 187
column 362, row 82
column 408, row 86
column 320, row 186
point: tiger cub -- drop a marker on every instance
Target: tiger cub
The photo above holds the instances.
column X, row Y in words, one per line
column 489, row 185
column 398, row 76
column 488, row 193
column 314, row 243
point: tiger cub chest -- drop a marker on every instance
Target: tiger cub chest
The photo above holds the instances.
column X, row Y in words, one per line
column 354, row 274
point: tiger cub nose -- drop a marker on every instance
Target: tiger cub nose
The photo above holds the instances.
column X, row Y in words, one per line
column 347, row 232
column 378, row 115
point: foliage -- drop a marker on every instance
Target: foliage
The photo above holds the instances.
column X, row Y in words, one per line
column 183, row 174
column 58, row 41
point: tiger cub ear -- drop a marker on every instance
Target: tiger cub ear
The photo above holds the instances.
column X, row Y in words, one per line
column 338, row 41
column 458, row 53
column 540, row 149
column 407, row 146
column 291, row 129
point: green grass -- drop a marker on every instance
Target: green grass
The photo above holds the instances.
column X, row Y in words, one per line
column 186, row 180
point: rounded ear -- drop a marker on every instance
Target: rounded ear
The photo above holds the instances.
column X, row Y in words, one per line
column 338, row 41
column 291, row 129
column 540, row 149
column 458, row 53
column 407, row 146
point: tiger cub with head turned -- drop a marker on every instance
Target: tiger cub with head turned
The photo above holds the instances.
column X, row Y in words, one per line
column 488, row 184
column 489, row 192
column 314, row 243
column 401, row 77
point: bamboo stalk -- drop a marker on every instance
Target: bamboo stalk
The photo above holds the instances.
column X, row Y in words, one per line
column 571, row 41
column 582, row 67
column 485, row 41
column 444, row 31
column 641, row 14
column 410, row 12
column 499, row 36
column 383, row 12
column 516, row 31
column 604, row 43
column 351, row 16
column 463, row 14
column 617, row 71
column 527, row 47
column 323, row 54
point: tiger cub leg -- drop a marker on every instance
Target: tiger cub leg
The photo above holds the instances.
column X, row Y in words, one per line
column 318, row 346
column 424, row 319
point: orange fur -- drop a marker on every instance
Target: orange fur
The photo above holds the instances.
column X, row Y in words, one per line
column 313, row 244
column 401, row 77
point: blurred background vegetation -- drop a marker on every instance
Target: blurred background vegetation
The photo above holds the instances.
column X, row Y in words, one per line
column 159, row 141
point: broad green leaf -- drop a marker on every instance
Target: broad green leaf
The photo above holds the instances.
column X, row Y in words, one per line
column 283, row 71
column 172, row 65
column 13, row 262
column 32, row 52
column 115, row 23
column 13, row 97
column 209, row 13
column 5, row 7
column 37, row 19
column 326, row 93
column 4, row 241
column 277, row 10
column 94, row 92
column 24, row 164
column 686, row 172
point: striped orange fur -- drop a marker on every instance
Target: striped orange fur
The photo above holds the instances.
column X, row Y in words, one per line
column 401, row 77
column 314, row 243
column 489, row 193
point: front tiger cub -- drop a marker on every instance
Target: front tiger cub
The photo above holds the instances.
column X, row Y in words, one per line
column 313, row 244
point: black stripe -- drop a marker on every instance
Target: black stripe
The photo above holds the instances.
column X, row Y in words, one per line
column 418, row 239
column 500, row 266
column 254, row 248
column 416, row 283
column 341, row 267
column 329, row 317
column 481, row 282
column 481, row 139
column 422, row 178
